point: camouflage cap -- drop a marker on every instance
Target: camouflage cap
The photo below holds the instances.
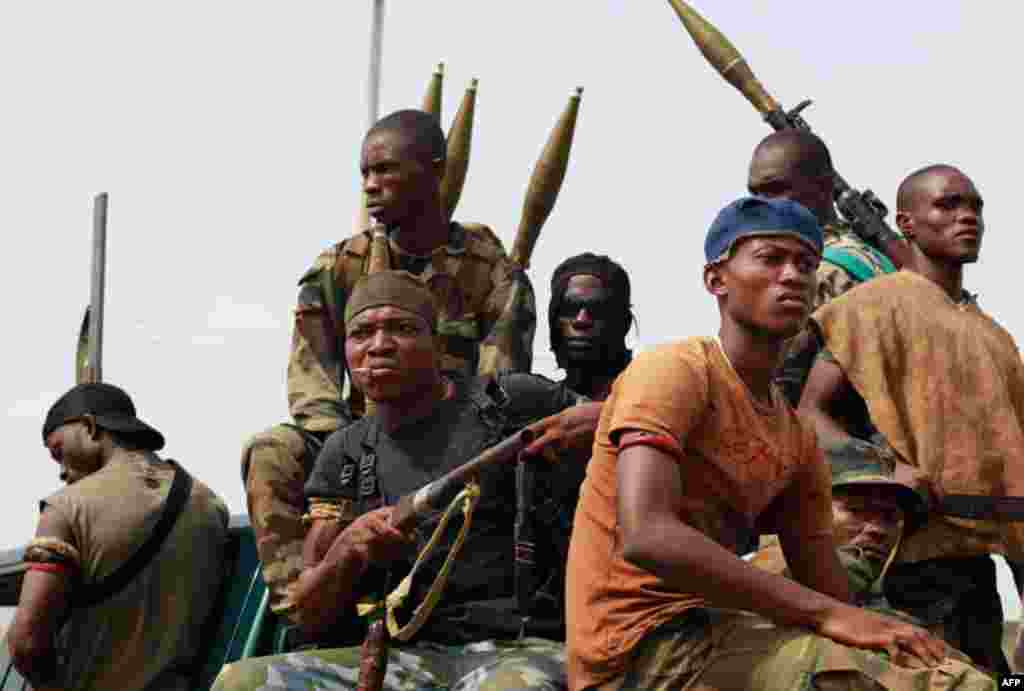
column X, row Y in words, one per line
column 865, row 468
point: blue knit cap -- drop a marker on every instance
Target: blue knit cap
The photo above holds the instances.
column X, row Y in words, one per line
column 760, row 216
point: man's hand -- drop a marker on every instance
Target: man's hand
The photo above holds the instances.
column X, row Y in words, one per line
column 571, row 430
column 373, row 538
column 910, row 476
column 862, row 628
column 329, row 587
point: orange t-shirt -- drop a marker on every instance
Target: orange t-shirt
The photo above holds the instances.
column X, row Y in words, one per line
column 744, row 467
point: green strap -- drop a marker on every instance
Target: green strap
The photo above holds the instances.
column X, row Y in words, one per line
column 855, row 266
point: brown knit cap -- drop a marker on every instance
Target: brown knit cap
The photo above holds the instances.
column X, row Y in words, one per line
column 395, row 289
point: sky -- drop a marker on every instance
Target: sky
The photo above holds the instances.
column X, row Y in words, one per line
column 227, row 135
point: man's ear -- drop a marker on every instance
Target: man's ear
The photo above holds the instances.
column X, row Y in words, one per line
column 826, row 183
column 714, row 282
column 90, row 425
column 438, row 166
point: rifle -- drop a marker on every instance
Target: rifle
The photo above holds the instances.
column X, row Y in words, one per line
column 864, row 211
column 410, row 512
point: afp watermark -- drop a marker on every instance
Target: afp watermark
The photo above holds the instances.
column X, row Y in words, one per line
column 1012, row 681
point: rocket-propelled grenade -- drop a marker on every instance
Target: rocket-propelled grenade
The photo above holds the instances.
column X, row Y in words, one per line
column 379, row 260
column 380, row 253
column 362, row 219
column 724, row 57
column 432, row 98
column 546, row 182
column 460, row 137
column 83, row 373
column 863, row 210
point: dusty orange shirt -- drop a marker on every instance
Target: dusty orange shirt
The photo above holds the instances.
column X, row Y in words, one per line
column 744, row 467
column 944, row 384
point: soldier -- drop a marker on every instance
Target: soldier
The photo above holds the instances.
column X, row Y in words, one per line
column 589, row 317
column 89, row 617
column 944, row 384
column 871, row 514
column 425, row 424
column 796, row 164
column 485, row 325
column 695, row 450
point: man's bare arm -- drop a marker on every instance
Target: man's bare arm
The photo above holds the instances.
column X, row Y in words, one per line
column 569, row 432
column 653, row 538
column 814, row 563
column 327, row 589
column 41, row 607
column 826, row 385
column 321, row 535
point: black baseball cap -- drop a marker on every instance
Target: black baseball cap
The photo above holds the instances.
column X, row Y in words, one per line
column 112, row 409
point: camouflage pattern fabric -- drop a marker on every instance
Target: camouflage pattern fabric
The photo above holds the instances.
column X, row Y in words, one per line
column 274, row 468
column 861, row 260
column 732, row 650
column 532, row 664
column 487, row 318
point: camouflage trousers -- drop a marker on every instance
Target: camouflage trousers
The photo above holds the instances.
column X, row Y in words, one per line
column 275, row 464
column 532, row 664
column 742, row 651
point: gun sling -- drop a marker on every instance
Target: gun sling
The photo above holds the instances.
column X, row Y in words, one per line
column 177, row 497
column 979, row 506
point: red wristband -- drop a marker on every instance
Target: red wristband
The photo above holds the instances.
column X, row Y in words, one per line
column 48, row 567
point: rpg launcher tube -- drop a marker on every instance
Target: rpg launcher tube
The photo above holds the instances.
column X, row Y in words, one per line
column 724, row 57
column 546, row 182
column 380, row 253
column 432, row 98
column 379, row 260
column 460, row 138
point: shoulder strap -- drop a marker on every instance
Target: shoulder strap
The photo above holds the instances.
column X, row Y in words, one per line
column 181, row 488
column 982, row 507
column 854, row 265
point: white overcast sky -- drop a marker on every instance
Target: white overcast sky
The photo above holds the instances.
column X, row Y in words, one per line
column 227, row 135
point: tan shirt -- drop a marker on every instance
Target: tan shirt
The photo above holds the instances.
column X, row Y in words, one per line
column 146, row 636
column 743, row 467
column 944, row 384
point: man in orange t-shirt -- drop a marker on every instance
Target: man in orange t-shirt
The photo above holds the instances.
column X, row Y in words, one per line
column 697, row 450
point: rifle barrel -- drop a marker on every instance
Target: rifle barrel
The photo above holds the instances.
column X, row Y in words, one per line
column 414, row 507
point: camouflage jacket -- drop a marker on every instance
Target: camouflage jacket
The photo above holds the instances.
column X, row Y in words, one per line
column 847, row 261
column 488, row 317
